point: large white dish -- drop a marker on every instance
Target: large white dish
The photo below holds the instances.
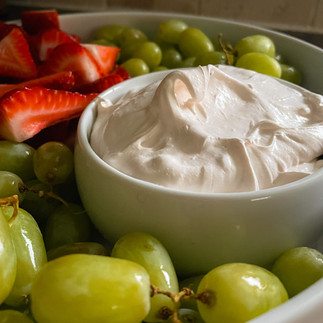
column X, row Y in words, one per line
column 287, row 216
column 308, row 58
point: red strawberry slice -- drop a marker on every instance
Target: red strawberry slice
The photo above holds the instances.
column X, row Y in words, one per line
column 47, row 40
column 26, row 112
column 122, row 72
column 101, row 84
column 6, row 28
column 15, row 58
column 105, row 56
column 58, row 81
column 35, row 21
column 72, row 57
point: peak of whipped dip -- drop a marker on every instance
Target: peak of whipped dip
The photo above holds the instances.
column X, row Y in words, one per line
column 212, row 129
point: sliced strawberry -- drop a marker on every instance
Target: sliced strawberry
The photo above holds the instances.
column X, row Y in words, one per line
column 47, row 40
column 58, row 81
column 106, row 56
column 122, row 72
column 72, row 57
column 26, row 112
column 6, row 28
column 15, row 58
column 101, row 84
column 35, row 21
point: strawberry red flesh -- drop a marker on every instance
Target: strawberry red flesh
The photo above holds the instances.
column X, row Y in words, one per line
column 35, row 21
column 72, row 57
column 101, row 84
column 15, row 57
column 122, row 72
column 47, row 40
column 6, row 28
column 24, row 113
column 105, row 56
column 58, row 81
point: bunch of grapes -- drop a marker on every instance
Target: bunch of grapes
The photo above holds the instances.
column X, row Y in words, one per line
column 178, row 45
column 55, row 267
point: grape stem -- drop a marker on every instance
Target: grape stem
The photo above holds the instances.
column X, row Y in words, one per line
column 42, row 193
column 176, row 298
column 227, row 49
column 11, row 201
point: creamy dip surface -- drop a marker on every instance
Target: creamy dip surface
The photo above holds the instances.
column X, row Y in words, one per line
column 212, row 129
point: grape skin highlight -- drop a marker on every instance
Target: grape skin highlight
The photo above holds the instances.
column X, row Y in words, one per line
column 82, row 288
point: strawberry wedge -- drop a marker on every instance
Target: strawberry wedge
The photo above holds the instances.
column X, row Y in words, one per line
column 26, row 112
column 72, row 57
column 101, row 84
column 6, row 28
column 35, row 21
column 58, row 81
column 105, row 56
column 15, row 57
column 47, row 40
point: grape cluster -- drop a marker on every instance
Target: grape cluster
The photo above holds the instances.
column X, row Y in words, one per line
column 54, row 266
column 178, row 45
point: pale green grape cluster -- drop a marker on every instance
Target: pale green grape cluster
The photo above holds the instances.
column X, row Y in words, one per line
column 39, row 207
column 54, row 267
column 178, row 45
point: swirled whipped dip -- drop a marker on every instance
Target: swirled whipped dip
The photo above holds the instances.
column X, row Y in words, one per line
column 212, row 129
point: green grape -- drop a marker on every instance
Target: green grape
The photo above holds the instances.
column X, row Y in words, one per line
column 150, row 52
column 17, row 158
column 147, row 251
column 213, row 57
column 8, row 259
column 68, row 190
column 91, row 248
column 169, row 30
column 129, row 40
column 136, row 67
column 187, row 315
column 238, row 292
column 193, row 42
column 103, row 42
column 110, row 33
column 290, row 73
column 192, row 283
column 172, row 58
column 159, row 68
column 13, row 316
column 67, row 225
column 53, row 162
column 255, row 43
column 280, row 58
column 9, row 185
column 30, row 251
column 36, row 203
column 298, row 268
column 189, row 62
column 162, row 44
column 89, row 288
column 260, row 63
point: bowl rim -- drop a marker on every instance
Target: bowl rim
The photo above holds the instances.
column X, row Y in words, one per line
column 84, row 129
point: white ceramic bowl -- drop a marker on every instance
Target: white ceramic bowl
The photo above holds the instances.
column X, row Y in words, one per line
column 203, row 230
column 199, row 230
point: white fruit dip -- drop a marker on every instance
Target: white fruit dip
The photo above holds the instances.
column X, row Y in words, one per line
column 212, row 129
